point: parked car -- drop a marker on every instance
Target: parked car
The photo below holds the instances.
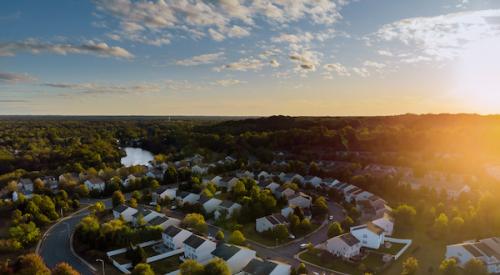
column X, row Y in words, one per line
column 303, row 245
column 291, row 236
column 330, row 218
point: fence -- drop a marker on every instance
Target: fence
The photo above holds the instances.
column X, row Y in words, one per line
column 406, row 242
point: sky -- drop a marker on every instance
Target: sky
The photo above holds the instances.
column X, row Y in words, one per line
column 260, row 57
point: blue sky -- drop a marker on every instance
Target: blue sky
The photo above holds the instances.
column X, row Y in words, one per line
column 230, row 57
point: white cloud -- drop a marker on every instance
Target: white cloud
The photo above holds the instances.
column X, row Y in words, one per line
column 200, row 59
column 237, row 31
column 90, row 47
column 228, row 82
column 159, row 16
column 442, row 37
column 92, row 88
column 274, row 63
column 336, row 68
column 385, row 53
column 373, row 64
column 363, row 72
column 307, row 60
column 217, row 36
column 243, row 64
column 14, row 78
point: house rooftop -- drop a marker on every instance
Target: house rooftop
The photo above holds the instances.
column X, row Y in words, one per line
column 195, row 241
column 370, row 226
column 259, row 267
column 172, row 231
column 276, row 219
column 349, row 239
column 227, row 204
column 225, row 251
column 121, row 208
column 158, row 220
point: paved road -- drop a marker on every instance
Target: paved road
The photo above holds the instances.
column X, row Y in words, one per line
column 55, row 246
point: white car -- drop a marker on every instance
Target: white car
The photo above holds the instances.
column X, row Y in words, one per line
column 291, row 236
column 173, row 207
column 303, row 245
column 330, row 218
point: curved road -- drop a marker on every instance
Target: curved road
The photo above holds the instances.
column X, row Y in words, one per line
column 55, row 246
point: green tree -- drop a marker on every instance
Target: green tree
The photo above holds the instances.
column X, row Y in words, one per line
column 133, row 202
column 347, row 223
column 334, row 229
column 440, row 225
column 280, row 232
column 118, row 198
column 195, row 221
column 239, row 189
column 25, row 233
column 217, row 266
column 237, row 238
column 405, row 216
column 448, row 267
column 301, row 269
column 320, row 206
column 191, row 267
column 64, row 269
column 142, row 269
column 475, row 267
column 219, row 236
column 410, row 266
column 32, row 264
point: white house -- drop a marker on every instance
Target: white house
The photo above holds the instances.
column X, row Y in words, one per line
column 386, row 222
column 164, row 192
column 350, row 193
column 187, row 197
column 155, row 173
column 289, row 177
column 229, row 160
column 364, row 195
column 263, row 175
column 199, row 169
column 345, row 245
column 313, row 180
column 198, row 248
column 232, row 182
column 269, row 222
column 265, row 267
column 283, row 191
column 236, row 257
column 209, row 204
column 130, row 178
column 486, row 250
column 147, row 215
column 164, row 221
column 26, row 187
column 174, row 237
column 216, row 180
column 227, row 207
column 331, row 183
column 245, row 174
column 300, row 200
column 369, row 234
column 124, row 211
column 95, row 184
column 50, row 182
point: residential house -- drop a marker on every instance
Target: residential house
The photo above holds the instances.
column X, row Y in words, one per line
column 300, row 199
column 268, row 185
column 236, row 257
column 174, row 237
column 372, row 208
column 199, row 169
column 345, row 245
column 69, row 177
column 263, row 175
column 164, row 221
column 291, row 177
column 95, row 184
column 130, row 178
column 228, row 208
column 245, row 174
column 187, row 197
column 155, row 173
column 26, row 187
column 330, row 183
column 124, row 211
column 50, row 182
column 386, row 222
column 283, row 192
column 196, row 159
column 313, row 180
column 486, row 250
column 364, row 195
column 350, row 192
column 146, row 214
column 229, row 160
column 198, row 248
column 265, row 267
column 369, row 234
column 164, row 192
column 269, row 222
column 231, row 182
column 209, row 204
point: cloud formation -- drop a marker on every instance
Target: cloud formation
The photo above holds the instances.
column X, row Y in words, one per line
column 200, row 59
column 13, row 78
column 228, row 82
column 441, row 37
column 92, row 88
column 217, row 19
column 36, row 47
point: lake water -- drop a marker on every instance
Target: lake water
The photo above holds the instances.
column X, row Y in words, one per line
column 136, row 156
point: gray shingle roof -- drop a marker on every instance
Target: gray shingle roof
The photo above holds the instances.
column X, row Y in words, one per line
column 258, row 267
column 225, row 251
column 172, row 231
column 194, row 241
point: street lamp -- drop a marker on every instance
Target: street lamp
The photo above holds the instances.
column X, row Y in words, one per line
column 102, row 262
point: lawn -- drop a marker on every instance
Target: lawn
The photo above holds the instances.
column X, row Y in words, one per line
column 393, row 250
column 250, row 233
column 372, row 262
column 166, row 265
column 429, row 252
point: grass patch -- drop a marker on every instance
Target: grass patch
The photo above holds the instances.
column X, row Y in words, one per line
column 166, row 265
column 319, row 257
column 393, row 250
column 250, row 233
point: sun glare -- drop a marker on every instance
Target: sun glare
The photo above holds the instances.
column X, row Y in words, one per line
column 478, row 76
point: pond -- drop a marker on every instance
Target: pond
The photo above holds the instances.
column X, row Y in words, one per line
column 136, row 156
